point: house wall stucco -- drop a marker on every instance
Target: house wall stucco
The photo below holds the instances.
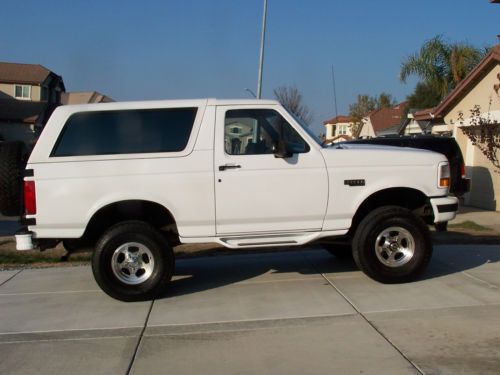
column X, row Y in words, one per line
column 8, row 89
column 329, row 131
column 367, row 129
column 485, row 182
column 480, row 95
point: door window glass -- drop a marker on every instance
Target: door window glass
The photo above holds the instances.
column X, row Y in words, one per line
column 257, row 131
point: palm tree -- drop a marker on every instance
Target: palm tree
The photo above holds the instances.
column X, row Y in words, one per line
column 442, row 65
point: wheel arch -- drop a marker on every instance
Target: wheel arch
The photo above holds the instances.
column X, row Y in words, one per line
column 148, row 211
column 410, row 198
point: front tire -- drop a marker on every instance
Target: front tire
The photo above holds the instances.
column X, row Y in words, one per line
column 392, row 245
column 133, row 262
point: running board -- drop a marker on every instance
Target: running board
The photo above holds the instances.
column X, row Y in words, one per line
column 264, row 240
column 253, row 241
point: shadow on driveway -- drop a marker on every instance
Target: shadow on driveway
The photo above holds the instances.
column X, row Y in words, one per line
column 201, row 274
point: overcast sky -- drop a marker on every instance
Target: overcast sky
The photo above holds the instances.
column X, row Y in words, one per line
column 164, row 49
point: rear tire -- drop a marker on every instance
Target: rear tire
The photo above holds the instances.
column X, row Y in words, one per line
column 11, row 167
column 392, row 245
column 133, row 262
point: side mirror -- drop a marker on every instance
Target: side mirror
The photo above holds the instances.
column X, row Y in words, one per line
column 281, row 150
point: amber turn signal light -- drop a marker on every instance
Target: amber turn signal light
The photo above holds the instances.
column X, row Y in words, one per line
column 444, row 182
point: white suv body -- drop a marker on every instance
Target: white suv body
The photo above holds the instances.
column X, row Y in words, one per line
column 225, row 183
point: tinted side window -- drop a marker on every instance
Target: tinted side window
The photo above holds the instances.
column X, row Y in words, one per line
column 125, row 132
column 256, row 131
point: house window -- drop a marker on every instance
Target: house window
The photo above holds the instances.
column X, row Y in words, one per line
column 23, row 92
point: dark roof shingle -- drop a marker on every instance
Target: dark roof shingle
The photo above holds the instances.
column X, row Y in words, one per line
column 23, row 73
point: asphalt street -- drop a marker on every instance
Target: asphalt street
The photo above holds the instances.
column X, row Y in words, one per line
column 279, row 313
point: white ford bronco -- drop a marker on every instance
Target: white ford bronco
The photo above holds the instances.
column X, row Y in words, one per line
column 132, row 180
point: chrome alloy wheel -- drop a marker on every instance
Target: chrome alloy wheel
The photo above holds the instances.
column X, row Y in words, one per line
column 132, row 263
column 394, row 247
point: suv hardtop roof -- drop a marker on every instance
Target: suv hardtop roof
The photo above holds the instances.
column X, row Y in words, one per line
column 167, row 103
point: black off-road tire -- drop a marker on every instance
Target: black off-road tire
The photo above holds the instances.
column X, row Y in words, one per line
column 340, row 251
column 365, row 245
column 133, row 232
column 11, row 169
column 441, row 227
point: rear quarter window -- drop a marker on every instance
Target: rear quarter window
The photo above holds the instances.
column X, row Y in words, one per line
column 125, row 132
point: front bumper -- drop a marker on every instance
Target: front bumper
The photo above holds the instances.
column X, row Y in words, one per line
column 445, row 208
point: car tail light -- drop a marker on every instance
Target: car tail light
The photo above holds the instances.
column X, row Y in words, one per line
column 462, row 170
column 29, row 198
column 444, row 175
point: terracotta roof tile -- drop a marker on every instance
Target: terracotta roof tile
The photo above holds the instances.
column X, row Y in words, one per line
column 337, row 119
column 385, row 118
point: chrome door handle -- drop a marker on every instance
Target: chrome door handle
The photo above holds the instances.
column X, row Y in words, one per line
column 228, row 166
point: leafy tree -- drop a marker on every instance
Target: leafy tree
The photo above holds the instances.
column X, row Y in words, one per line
column 424, row 96
column 385, row 100
column 291, row 98
column 366, row 104
column 441, row 64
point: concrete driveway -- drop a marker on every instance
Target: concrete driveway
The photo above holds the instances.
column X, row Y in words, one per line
column 281, row 313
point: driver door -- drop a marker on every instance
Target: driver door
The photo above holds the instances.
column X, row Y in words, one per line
column 256, row 191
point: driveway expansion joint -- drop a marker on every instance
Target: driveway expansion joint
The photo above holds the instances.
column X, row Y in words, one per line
column 139, row 339
column 10, row 278
column 414, row 365
column 241, row 325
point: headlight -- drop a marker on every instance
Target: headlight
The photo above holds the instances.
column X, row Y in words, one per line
column 444, row 175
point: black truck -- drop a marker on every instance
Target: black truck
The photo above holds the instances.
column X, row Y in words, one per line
column 444, row 145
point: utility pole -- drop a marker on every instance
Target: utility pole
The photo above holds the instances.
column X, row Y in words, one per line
column 262, row 41
column 334, row 92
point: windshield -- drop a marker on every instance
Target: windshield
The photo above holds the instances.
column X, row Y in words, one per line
column 307, row 129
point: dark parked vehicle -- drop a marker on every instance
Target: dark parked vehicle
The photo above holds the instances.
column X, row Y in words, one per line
column 444, row 145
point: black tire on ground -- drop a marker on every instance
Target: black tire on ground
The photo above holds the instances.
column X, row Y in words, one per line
column 441, row 227
column 383, row 241
column 340, row 251
column 117, row 246
column 11, row 168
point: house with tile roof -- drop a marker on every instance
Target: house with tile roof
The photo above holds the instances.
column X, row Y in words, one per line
column 481, row 87
column 28, row 95
column 338, row 128
column 30, row 82
column 383, row 121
